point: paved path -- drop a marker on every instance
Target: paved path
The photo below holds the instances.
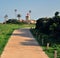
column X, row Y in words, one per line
column 22, row 45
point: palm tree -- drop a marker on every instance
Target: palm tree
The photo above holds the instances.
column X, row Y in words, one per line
column 56, row 13
column 30, row 13
column 18, row 16
column 15, row 13
column 6, row 17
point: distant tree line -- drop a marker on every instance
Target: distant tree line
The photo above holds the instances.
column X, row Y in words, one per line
column 13, row 21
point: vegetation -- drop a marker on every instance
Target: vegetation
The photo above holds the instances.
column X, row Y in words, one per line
column 6, row 18
column 6, row 31
column 48, row 30
column 18, row 16
column 50, row 26
column 13, row 21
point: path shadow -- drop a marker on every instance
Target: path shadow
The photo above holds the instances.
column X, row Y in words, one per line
column 23, row 33
column 29, row 43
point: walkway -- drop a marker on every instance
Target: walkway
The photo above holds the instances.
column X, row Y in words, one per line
column 22, row 45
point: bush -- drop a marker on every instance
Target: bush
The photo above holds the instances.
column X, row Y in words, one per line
column 49, row 26
column 13, row 21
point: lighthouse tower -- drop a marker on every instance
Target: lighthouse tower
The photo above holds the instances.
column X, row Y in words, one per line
column 27, row 16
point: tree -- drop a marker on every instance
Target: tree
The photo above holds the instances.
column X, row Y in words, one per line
column 18, row 16
column 6, row 17
column 13, row 21
column 29, row 11
column 15, row 13
column 56, row 13
column 15, row 10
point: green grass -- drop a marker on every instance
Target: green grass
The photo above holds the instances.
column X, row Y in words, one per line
column 6, row 31
column 52, row 48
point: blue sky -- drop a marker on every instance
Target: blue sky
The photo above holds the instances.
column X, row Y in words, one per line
column 39, row 8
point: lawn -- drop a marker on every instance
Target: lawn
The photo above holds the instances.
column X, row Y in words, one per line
column 6, row 31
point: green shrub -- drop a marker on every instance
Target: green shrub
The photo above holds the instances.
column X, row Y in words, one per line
column 13, row 21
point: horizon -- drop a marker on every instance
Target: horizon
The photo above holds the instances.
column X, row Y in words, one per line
column 39, row 8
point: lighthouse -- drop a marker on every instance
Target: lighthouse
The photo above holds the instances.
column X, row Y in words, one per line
column 28, row 18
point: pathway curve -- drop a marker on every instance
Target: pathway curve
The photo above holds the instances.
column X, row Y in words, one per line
column 22, row 45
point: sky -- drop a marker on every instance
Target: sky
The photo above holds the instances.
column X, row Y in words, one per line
column 39, row 8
